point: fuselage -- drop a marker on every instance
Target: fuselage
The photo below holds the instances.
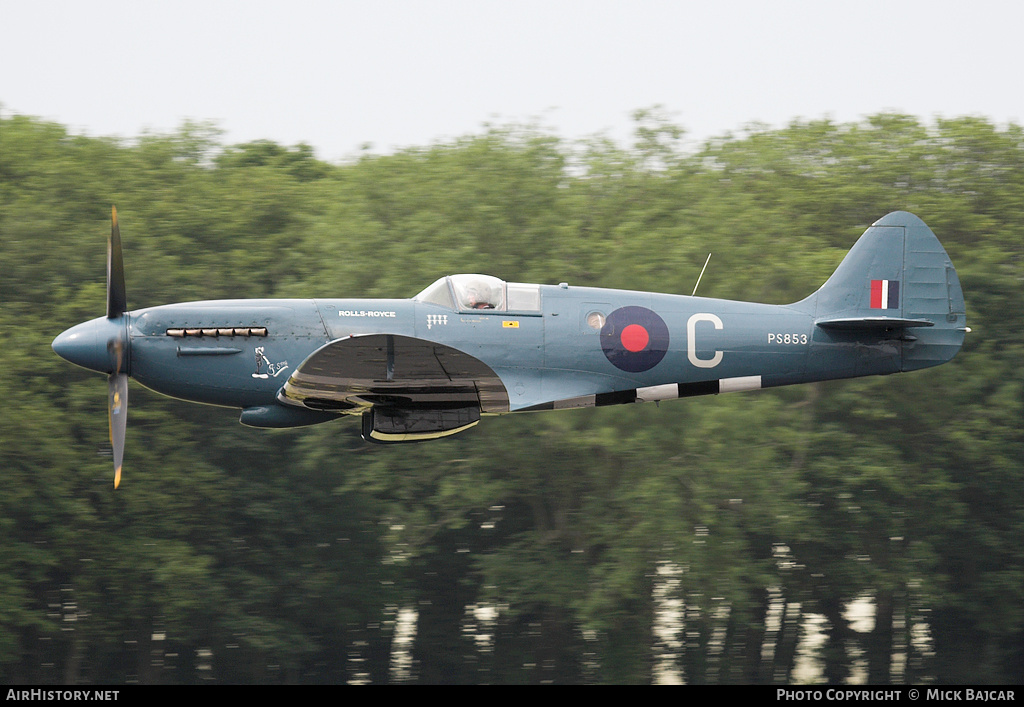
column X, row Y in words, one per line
column 579, row 343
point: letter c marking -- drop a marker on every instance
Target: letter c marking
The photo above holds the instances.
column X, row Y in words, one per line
column 691, row 340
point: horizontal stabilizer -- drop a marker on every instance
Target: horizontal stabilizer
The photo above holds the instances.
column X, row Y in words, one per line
column 873, row 323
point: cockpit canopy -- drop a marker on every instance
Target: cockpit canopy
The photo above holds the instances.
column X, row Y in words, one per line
column 482, row 293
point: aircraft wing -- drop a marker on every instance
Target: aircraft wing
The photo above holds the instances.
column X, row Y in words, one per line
column 410, row 388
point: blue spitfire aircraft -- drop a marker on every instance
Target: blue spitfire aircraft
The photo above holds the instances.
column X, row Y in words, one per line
column 472, row 345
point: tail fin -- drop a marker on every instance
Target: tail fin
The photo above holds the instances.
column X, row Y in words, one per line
column 897, row 278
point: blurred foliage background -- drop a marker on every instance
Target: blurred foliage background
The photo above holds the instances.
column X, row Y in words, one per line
column 696, row 540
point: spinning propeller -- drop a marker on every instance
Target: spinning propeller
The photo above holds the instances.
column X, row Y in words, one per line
column 103, row 345
column 117, row 381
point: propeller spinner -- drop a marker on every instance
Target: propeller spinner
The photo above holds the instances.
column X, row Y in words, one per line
column 103, row 345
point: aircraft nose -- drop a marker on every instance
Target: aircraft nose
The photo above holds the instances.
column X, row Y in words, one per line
column 86, row 344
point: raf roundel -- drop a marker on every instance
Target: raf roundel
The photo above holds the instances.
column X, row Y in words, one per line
column 634, row 339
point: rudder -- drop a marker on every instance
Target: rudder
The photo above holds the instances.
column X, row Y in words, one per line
column 933, row 292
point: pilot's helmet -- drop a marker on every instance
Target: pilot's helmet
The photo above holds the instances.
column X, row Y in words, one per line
column 475, row 293
column 479, row 295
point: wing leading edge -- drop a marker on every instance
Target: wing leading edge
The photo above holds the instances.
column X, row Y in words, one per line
column 407, row 389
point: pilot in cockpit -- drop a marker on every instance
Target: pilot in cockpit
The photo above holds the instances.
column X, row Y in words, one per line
column 478, row 296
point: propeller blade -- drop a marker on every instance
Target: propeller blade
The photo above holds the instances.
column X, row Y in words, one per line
column 117, row 303
column 117, row 384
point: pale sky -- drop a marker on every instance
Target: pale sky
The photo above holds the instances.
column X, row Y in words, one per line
column 397, row 73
